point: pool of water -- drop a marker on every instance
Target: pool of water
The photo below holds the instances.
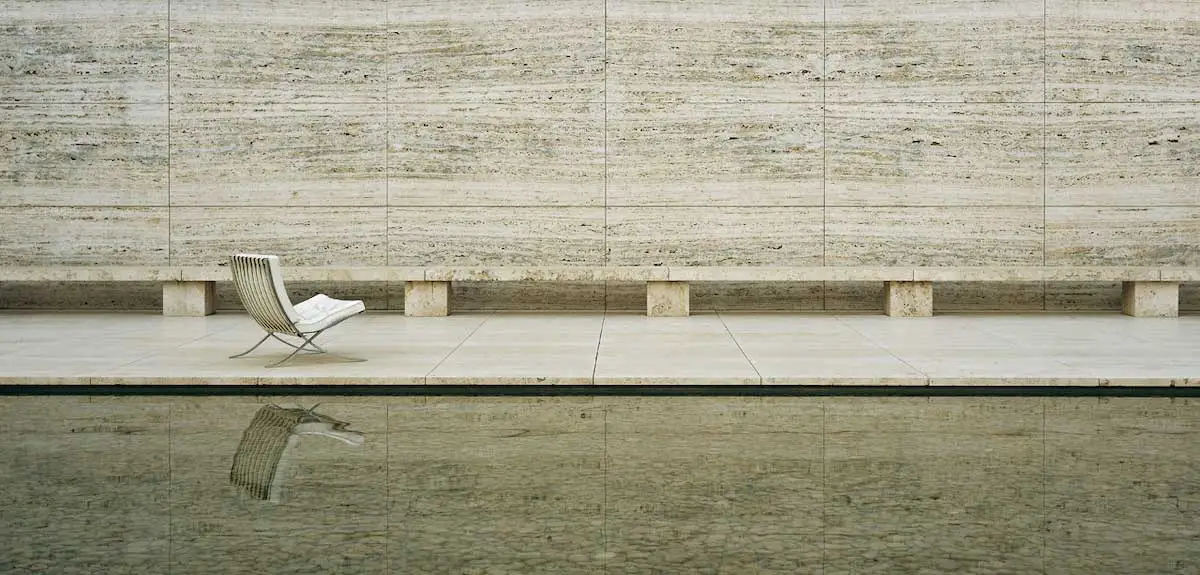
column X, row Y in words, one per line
column 250, row 484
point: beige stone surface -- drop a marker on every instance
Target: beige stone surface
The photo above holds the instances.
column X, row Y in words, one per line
column 934, row 236
column 307, row 51
column 745, row 154
column 714, row 51
column 1123, row 50
column 528, row 154
column 749, row 296
column 300, row 236
column 908, row 299
column 934, row 51
column 72, row 295
column 934, row 155
column 1123, row 236
column 668, row 299
column 990, row 296
column 189, row 299
column 546, row 273
column 478, row 236
column 86, row 52
column 83, row 154
column 1136, row 154
column 496, row 51
column 1150, row 299
column 426, row 298
column 83, row 236
column 278, row 155
column 709, row 236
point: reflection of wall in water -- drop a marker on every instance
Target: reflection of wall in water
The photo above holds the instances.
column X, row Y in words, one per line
column 262, row 456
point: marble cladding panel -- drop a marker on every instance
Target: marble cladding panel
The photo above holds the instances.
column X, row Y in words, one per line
column 71, row 51
column 1083, row 296
column 374, row 295
column 496, row 154
column 757, row 296
column 278, row 155
column 1098, row 236
column 85, row 485
column 857, row 296
column 257, row 51
column 1122, row 50
column 1123, row 154
column 934, row 51
column 912, row 484
column 934, row 155
column 503, row 485
column 522, row 296
column 83, row 154
column 495, row 236
column 747, row 497
column 82, row 295
column 1189, row 297
column 1119, row 470
column 934, row 236
column 329, row 511
column 714, row 51
column 43, row 236
column 714, row 154
column 988, row 296
column 496, row 50
column 641, row 236
column 301, row 236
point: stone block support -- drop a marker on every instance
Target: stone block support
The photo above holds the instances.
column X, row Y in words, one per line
column 668, row 299
column 909, row 299
column 1150, row 299
column 189, row 299
column 427, row 299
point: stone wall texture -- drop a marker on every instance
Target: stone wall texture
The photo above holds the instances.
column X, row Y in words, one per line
column 605, row 132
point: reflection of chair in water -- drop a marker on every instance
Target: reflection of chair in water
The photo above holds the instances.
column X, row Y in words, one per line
column 259, row 462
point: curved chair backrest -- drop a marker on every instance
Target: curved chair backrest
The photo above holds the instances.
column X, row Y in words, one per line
column 259, row 283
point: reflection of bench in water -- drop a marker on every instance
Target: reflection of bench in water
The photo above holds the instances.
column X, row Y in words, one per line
column 260, row 458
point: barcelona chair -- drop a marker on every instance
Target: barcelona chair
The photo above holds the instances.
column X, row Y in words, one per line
column 259, row 284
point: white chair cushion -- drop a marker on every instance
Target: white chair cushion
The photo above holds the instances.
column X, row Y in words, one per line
column 321, row 311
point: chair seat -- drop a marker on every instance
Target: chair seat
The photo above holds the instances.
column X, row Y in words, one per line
column 321, row 311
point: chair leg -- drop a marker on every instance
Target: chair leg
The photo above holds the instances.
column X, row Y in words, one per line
column 307, row 342
column 315, row 348
column 254, row 347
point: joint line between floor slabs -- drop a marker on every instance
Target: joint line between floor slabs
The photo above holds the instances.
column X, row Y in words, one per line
column 739, row 346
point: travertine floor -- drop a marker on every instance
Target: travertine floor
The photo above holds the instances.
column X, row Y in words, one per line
column 606, row 349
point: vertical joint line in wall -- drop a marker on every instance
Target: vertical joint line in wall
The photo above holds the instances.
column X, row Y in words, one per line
column 824, row 147
column 169, row 158
column 387, row 145
column 1045, row 140
column 604, row 129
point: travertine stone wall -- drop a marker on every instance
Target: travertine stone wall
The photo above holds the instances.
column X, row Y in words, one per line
column 617, row 132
